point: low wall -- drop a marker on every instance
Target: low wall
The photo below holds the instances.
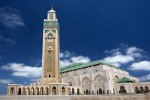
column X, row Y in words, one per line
column 78, row 97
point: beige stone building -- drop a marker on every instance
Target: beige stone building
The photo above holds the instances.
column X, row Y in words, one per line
column 82, row 78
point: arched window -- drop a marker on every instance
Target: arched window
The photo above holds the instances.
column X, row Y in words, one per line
column 49, row 75
column 116, row 78
column 70, row 83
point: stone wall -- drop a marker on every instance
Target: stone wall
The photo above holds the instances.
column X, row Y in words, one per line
column 78, row 97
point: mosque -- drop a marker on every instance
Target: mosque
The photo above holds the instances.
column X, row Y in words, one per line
column 92, row 78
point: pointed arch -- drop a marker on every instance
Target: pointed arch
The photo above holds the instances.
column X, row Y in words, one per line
column 70, row 82
column 19, row 91
column 147, row 89
column 53, row 90
column 86, row 85
column 32, row 91
column 37, row 91
column 28, row 91
column 63, row 90
column 46, row 90
column 12, row 91
column 41, row 91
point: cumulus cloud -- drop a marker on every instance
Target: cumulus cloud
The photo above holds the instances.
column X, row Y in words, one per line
column 122, row 55
column 66, row 54
column 6, row 39
column 11, row 17
column 22, row 70
column 145, row 78
column 134, row 51
column 68, row 58
column 142, row 65
column 6, row 81
column 117, row 60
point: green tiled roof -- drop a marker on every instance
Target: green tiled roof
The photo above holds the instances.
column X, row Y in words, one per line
column 83, row 65
column 124, row 80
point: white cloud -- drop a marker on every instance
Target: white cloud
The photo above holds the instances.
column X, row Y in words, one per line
column 66, row 54
column 134, row 51
column 118, row 59
column 6, row 39
column 123, row 55
column 6, row 81
column 11, row 17
column 145, row 78
column 22, row 70
column 68, row 58
column 142, row 65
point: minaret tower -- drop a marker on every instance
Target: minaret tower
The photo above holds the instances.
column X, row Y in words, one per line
column 50, row 53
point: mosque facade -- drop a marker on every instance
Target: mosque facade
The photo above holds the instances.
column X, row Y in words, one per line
column 82, row 78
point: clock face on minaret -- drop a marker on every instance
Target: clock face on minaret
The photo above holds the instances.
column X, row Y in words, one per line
column 50, row 52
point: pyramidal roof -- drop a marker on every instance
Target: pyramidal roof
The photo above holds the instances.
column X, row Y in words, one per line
column 124, row 80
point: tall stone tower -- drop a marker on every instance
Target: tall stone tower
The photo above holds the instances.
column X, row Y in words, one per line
column 50, row 53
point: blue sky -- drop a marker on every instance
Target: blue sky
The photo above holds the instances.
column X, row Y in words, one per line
column 114, row 31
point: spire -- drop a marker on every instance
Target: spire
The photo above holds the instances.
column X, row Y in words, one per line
column 52, row 8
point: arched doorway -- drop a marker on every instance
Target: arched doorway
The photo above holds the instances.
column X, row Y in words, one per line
column 37, row 91
column 11, row 91
column 72, row 90
column 47, row 92
column 63, row 90
column 99, row 84
column 142, row 89
column 146, row 89
column 54, row 90
column 28, row 91
column 78, row 91
column 23, row 91
column 32, row 90
column 69, row 90
column 41, row 91
column 122, row 90
column 100, row 91
column 86, row 91
column 86, row 85
column 19, row 91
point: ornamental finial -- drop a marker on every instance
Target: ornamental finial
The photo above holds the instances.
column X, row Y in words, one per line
column 52, row 7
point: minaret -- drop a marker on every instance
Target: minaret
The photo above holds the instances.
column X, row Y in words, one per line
column 50, row 53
